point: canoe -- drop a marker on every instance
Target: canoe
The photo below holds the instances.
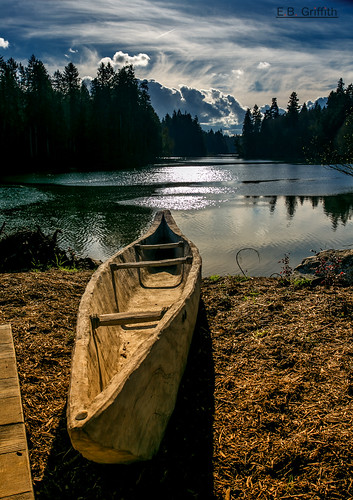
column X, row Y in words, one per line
column 134, row 328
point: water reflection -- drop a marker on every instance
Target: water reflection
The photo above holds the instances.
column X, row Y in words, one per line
column 223, row 205
column 338, row 208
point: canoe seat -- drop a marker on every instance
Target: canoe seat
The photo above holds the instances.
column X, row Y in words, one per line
column 159, row 246
column 151, row 263
column 125, row 318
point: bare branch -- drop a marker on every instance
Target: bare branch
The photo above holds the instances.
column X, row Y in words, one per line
column 237, row 260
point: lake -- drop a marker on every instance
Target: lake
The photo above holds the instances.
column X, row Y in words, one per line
column 225, row 205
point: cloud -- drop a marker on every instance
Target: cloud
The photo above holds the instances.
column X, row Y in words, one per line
column 195, row 43
column 214, row 109
column 4, row 44
column 321, row 101
column 238, row 73
column 264, row 108
column 263, row 65
column 121, row 59
column 71, row 51
column 257, row 86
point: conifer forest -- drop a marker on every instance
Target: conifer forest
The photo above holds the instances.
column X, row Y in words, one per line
column 316, row 135
column 56, row 123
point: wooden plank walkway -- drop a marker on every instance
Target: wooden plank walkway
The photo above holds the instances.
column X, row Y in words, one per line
column 15, row 472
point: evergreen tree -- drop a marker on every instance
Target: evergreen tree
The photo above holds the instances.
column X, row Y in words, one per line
column 293, row 107
column 149, row 126
column 71, row 85
column 184, row 135
column 58, row 83
column 304, row 109
column 215, row 142
column 103, row 125
column 247, row 143
column 266, row 119
column 265, row 135
column 39, row 111
column 71, row 81
column 256, row 119
column 274, row 111
column 338, row 107
column 248, row 125
column 11, row 107
column 340, row 86
column 349, row 91
column 126, row 105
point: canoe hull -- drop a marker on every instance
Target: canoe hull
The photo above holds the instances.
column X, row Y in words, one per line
column 126, row 420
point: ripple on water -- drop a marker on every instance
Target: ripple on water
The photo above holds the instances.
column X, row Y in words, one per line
column 222, row 208
column 17, row 196
column 177, row 202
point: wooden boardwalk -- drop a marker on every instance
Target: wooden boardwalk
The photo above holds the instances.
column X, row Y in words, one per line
column 15, row 472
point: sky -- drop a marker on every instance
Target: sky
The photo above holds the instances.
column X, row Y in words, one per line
column 212, row 58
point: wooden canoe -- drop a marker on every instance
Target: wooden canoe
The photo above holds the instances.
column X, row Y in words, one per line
column 134, row 328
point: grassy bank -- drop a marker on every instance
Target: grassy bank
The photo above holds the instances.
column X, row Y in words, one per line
column 264, row 409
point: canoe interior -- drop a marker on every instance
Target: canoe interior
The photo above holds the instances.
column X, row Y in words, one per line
column 133, row 290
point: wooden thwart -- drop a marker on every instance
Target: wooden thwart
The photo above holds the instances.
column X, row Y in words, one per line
column 15, row 473
column 159, row 246
column 151, row 263
column 126, row 318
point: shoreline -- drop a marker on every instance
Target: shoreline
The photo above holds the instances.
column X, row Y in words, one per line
column 264, row 408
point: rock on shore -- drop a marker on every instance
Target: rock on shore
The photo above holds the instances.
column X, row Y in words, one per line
column 327, row 264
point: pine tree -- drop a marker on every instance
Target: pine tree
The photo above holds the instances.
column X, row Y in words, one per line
column 248, row 125
column 11, row 107
column 304, row 109
column 183, row 135
column 349, row 91
column 149, row 127
column 340, row 86
column 274, row 111
column 247, row 142
column 257, row 119
column 293, row 107
column 39, row 111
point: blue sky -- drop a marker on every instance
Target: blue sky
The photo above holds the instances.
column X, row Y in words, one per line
column 212, row 57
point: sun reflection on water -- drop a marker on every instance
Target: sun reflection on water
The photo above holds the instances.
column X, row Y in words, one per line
column 222, row 207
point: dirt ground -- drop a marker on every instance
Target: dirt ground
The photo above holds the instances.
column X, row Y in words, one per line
column 264, row 409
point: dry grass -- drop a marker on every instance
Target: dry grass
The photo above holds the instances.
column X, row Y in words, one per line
column 264, row 410
column 283, row 422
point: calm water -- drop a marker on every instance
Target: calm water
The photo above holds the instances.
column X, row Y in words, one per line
column 223, row 204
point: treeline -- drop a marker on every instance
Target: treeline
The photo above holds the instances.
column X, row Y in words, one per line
column 183, row 136
column 318, row 134
column 57, row 123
